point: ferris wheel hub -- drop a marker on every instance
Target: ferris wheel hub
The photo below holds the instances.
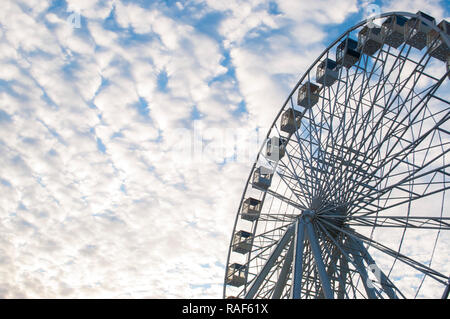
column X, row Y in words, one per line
column 308, row 213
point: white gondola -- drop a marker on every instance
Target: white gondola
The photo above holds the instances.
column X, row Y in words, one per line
column 275, row 148
column 236, row 275
column 393, row 30
column 327, row 73
column 416, row 30
column 242, row 242
column 308, row 95
column 251, row 208
column 369, row 40
column 347, row 53
column 262, row 177
column 290, row 121
column 437, row 47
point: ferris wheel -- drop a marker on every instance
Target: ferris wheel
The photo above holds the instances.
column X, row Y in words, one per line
column 348, row 196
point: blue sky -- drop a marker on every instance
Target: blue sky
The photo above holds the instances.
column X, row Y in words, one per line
column 102, row 194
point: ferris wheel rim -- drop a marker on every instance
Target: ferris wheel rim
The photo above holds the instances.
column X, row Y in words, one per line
column 295, row 88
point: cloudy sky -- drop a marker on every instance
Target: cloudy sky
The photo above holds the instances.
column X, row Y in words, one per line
column 119, row 123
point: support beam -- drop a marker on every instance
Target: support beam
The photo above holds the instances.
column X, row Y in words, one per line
column 284, row 274
column 344, row 258
column 332, row 267
column 269, row 263
column 446, row 291
column 297, row 269
column 315, row 248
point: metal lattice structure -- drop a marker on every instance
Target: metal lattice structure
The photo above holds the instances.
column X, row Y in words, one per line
column 348, row 195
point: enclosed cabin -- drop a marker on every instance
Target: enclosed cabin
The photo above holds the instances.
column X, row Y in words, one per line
column 393, row 30
column 347, row 53
column 251, row 209
column 290, row 121
column 275, row 148
column 437, row 47
column 370, row 40
column 236, row 275
column 416, row 30
column 262, row 177
column 308, row 95
column 327, row 73
column 242, row 242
